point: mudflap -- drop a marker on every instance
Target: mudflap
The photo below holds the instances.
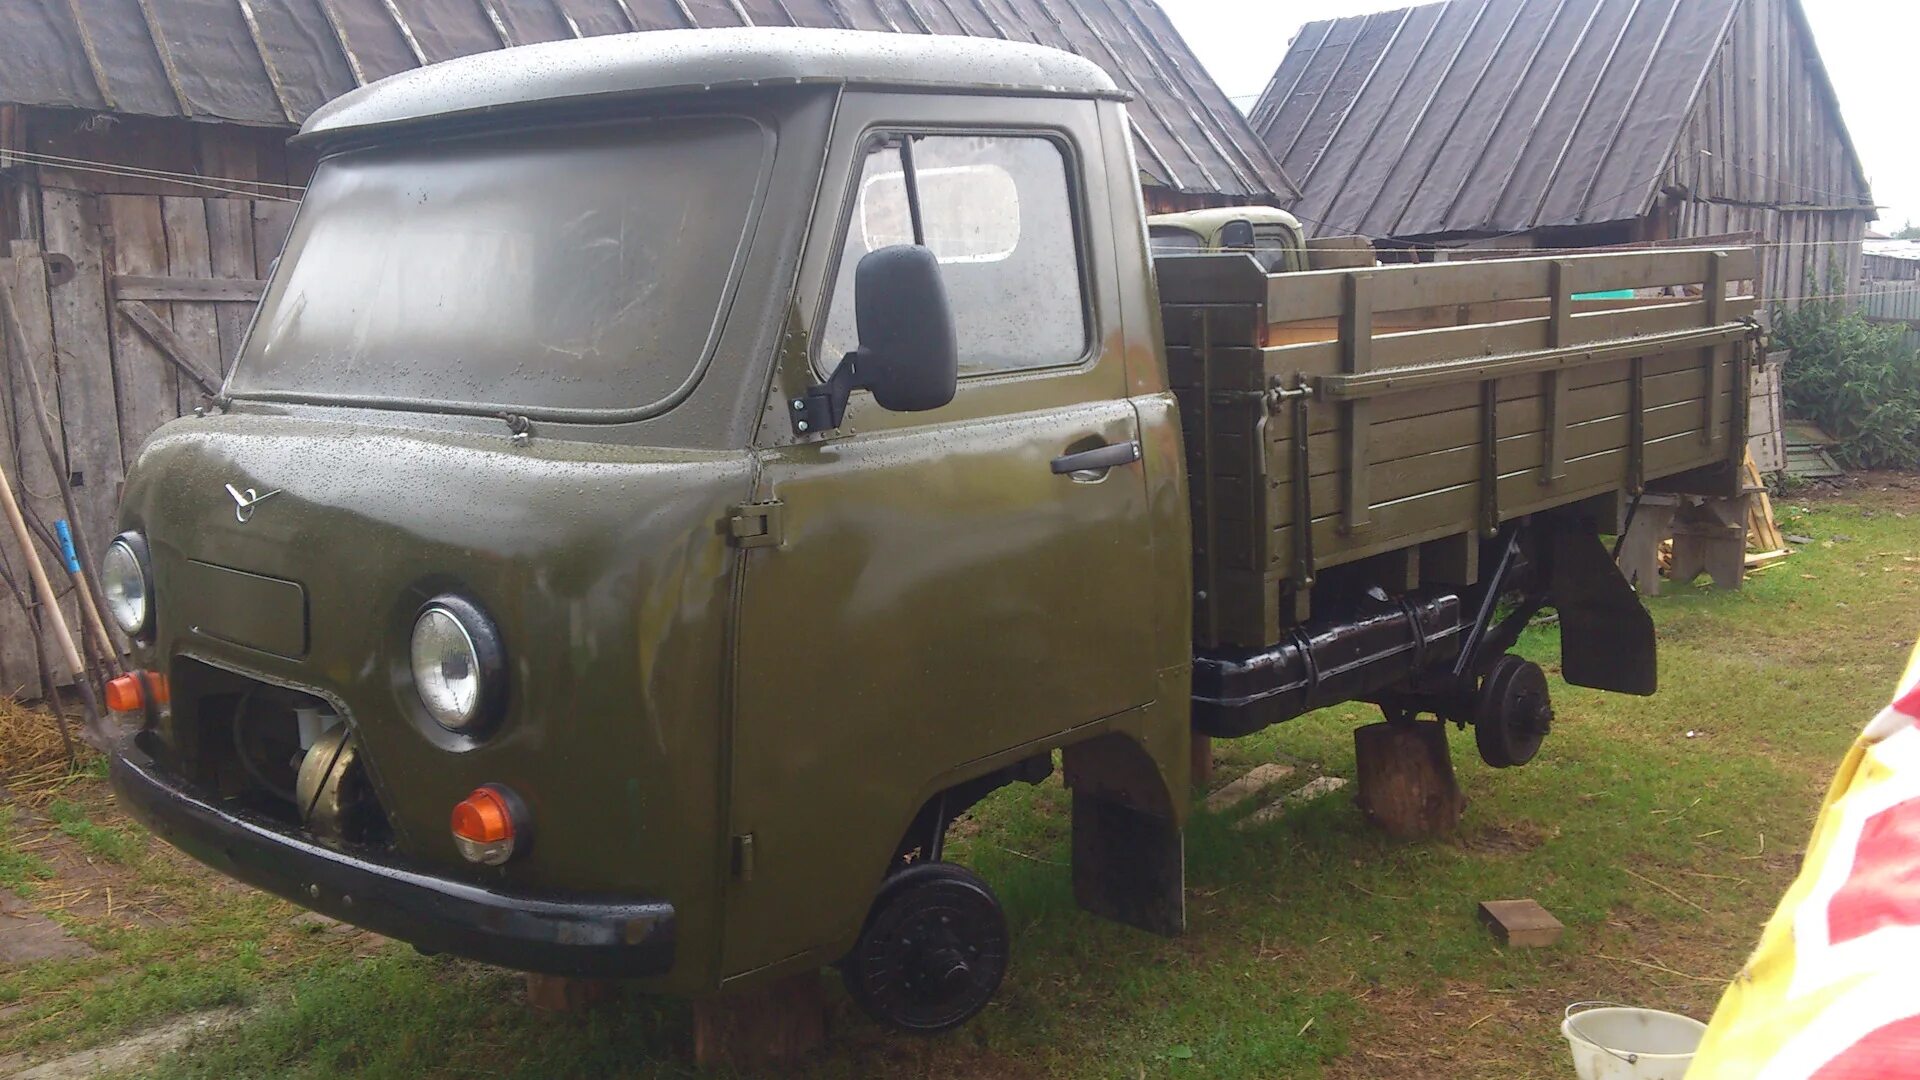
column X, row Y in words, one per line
column 1606, row 634
column 1129, row 865
column 1129, row 852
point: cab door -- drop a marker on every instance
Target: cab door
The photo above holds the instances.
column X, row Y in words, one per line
column 950, row 585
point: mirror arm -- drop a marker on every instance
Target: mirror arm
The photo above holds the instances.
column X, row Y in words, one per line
column 825, row 405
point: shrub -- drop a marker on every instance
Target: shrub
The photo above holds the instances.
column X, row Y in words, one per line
column 1854, row 378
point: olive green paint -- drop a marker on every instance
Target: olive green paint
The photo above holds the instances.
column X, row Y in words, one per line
column 934, row 603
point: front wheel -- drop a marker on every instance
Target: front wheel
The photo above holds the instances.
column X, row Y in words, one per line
column 933, row 951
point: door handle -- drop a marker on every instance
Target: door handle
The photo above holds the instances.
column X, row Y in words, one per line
column 1098, row 459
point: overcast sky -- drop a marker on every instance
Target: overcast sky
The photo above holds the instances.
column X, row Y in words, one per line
column 1867, row 46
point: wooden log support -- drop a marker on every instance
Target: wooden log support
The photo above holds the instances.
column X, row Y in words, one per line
column 1407, row 786
column 558, row 993
column 1356, row 357
column 1201, row 751
column 776, row 1023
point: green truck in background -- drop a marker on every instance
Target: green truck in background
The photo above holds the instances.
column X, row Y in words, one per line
column 670, row 477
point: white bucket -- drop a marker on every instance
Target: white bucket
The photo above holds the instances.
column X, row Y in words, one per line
column 1613, row 1042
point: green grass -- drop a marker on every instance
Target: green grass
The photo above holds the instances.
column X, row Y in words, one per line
column 119, row 844
column 1316, row 946
column 19, row 870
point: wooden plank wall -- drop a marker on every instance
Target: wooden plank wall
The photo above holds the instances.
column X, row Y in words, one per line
column 192, row 256
column 1891, row 301
column 1766, row 151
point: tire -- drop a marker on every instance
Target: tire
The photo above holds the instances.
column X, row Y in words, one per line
column 933, row 950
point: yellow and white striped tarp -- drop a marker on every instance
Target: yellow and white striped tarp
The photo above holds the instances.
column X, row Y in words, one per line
column 1833, row 991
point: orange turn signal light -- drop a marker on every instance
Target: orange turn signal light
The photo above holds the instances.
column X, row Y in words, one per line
column 483, row 817
column 127, row 693
column 484, row 825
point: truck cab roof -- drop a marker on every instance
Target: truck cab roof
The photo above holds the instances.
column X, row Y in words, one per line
column 667, row 61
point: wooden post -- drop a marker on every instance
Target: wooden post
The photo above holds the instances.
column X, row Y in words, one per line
column 1640, row 550
column 1710, row 537
column 1406, row 779
column 775, row 1023
column 1202, row 750
column 558, row 993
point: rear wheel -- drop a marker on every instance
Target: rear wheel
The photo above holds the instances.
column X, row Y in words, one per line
column 1513, row 712
column 933, row 951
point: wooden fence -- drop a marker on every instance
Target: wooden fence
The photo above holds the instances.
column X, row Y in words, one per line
column 132, row 305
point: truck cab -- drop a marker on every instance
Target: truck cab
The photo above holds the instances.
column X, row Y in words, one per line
column 1271, row 236
column 517, row 511
column 670, row 477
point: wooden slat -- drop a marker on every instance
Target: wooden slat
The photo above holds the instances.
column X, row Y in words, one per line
column 1356, row 358
column 271, row 223
column 230, row 242
column 189, row 258
column 1318, row 294
column 149, row 388
column 17, row 668
column 1437, row 514
column 1408, row 379
column 1483, row 341
column 38, row 490
column 190, row 289
column 71, row 222
column 1452, row 461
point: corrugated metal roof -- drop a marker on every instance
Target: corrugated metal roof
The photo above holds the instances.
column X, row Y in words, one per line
column 1904, row 250
column 276, row 61
column 1489, row 116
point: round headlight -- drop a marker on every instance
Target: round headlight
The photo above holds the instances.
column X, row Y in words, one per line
column 126, row 583
column 457, row 666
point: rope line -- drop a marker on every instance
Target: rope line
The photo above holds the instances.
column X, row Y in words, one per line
column 224, row 184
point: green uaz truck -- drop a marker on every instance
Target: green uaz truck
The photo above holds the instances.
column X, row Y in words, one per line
column 670, row 477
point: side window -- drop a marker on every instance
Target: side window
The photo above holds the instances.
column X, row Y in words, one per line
column 997, row 211
column 1273, row 248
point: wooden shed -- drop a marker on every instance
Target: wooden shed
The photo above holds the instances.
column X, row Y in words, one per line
column 1575, row 123
column 145, row 185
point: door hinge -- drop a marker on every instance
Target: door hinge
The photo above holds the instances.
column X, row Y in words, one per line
column 743, row 856
column 760, row 524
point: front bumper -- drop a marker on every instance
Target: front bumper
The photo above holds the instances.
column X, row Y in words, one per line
column 557, row 934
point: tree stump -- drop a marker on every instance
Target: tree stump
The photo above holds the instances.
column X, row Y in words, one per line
column 558, row 993
column 1406, row 779
column 1202, row 750
column 775, row 1023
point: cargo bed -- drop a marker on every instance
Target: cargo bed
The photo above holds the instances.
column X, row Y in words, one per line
column 1438, row 401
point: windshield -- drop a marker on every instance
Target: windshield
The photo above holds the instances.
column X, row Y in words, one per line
column 570, row 273
column 1174, row 240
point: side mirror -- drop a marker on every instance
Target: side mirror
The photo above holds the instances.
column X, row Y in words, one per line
column 909, row 356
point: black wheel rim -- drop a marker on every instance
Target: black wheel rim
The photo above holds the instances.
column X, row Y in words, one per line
column 933, row 953
column 1515, row 713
